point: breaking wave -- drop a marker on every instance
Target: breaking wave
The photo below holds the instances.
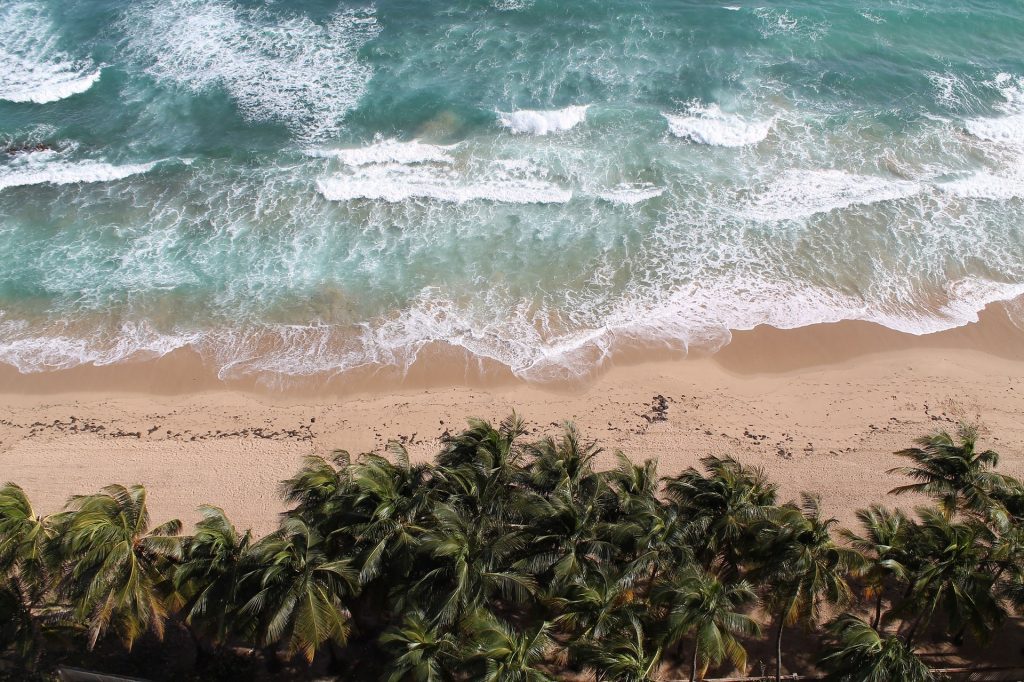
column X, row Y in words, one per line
column 32, row 68
column 397, row 183
column 710, row 125
column 291, row 69
column 543, row 122
column 40, row 168
column 804, row 193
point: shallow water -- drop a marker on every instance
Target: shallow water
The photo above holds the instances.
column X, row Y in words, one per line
column 307, row 188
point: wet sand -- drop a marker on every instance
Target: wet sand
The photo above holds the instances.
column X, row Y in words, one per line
column 820, row 408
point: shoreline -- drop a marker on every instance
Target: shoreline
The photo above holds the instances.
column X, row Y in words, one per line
column 821, row 408
column 761, row 350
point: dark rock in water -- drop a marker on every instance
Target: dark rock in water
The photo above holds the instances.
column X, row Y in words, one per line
column 16, row 149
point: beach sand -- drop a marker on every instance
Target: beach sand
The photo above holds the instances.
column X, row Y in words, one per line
column 821, row 408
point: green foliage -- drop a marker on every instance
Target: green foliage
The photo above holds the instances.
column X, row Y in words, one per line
column 723, row 506
column 116, row 567
column 859, row 653
column 209, row 576
column 298, row 590
column 25, row 576
column 510, row 654
column 512, row 560
column 954, row 473
column 700, row 604
column 421, row 652
column 628, row 655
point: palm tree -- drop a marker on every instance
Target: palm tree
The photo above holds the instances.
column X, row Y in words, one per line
column 884, row 545
column 859, row 653
column 299, row 590
column 510, row 656
column 652, row 541
column 565, row 537
column 652, row 536
column 566, row 463
column 423, row 653
column 319, row 491
column 637, row 484
column 700, row 603
column 593, row 609
column 951, row 575
column 378, row 520
column 25, row 572
column 209, row 576
column 493, row 449
column 628, row 655
column 115, row 564
column 474, row 556
column 479, row 472
column 722, row 508
column 396, row 499
column 954, row 473
column 803, row 567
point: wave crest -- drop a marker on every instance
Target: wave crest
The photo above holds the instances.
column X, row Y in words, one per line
column 387, row 151
column 395, row 183
column 711, row 126
column 32, row 69
column 39, row 168
column 798, row 194
column 543, row 122
column 295, row 71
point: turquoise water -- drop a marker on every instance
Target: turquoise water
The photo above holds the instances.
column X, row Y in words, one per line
column 297, row 188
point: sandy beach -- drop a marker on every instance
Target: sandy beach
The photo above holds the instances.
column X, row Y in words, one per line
column 820, row 408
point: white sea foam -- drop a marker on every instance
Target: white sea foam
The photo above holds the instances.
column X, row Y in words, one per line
column 1003, row 129
column 1006, row 133
column 48, row 168
column 987, row 185
column 1007, row 129
column 521, row 339
column 803, row 193
column 511, row 5
column 395, row 183
column 780, row 22
column 53, row 86
column 32, row 68
column 631, row 194
column 1011, row 88
column 56, row 346
column 954, row 90
column 543, row 122
column 388, row 151
column 287, row 69
column 708, row 124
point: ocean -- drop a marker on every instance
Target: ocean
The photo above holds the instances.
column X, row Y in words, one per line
column 299, row 189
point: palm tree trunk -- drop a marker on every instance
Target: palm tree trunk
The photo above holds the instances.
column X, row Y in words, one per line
column 909, row 639
column 878, row 611
column 35, row 626
column 906, row 595
column 778, row 648
column 197, row 644
column 335, row 664
column 271, row 659
column 693, row 668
